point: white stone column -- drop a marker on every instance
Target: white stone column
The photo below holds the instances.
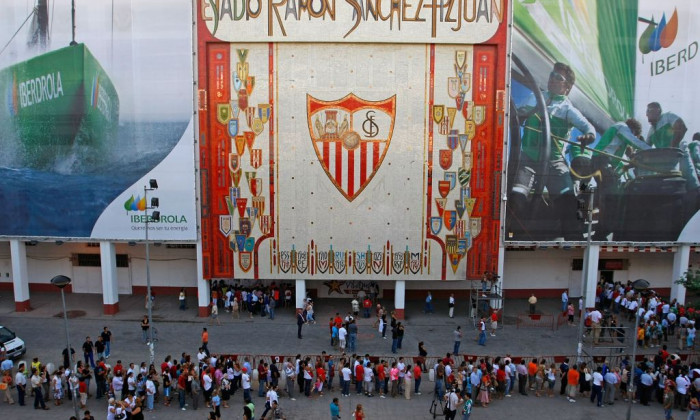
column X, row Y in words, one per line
column 400, row 299
column 680, row 267
column 498, row 303
column 202, row 285
column 20, row 278
column 590, row 261
column 299, row 294
column 110, row 282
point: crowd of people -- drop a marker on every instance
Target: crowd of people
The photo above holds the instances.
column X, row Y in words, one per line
column 210, row 381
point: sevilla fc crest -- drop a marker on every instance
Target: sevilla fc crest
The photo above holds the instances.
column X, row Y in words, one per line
column 351, row 136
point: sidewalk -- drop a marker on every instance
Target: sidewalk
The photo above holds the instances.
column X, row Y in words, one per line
column 434, row 329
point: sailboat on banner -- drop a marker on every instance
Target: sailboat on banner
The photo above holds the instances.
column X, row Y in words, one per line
column 57, row 99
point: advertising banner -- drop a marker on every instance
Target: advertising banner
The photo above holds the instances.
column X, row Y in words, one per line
column 90, row 114
column 600, row 102
column 350, row 161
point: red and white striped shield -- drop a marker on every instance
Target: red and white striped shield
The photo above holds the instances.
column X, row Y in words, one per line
column 351, row 136
column 256, row 158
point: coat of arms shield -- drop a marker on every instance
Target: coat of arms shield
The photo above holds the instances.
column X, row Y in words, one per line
column 353, row 131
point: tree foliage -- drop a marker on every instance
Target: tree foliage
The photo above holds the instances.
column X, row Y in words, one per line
column 690, row 280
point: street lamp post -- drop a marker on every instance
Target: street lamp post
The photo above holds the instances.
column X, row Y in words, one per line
column 588, row 208
column 638, row 285
column 61, row 282
column 155, row 216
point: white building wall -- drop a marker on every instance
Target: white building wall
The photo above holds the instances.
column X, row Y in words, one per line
column 170, row 267
column 5, row 263
column 655, row 268
column 552, row 269
column 539, row 269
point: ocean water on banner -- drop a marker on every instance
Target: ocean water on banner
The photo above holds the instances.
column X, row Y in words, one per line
column 66, row 198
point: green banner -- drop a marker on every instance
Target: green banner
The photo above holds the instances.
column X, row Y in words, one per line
column 589, row 36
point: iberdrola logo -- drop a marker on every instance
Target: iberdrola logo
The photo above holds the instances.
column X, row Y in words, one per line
column 135, row 204
column 658, row 35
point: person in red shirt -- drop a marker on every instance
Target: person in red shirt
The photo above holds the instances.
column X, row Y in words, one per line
column 501, row 379
column 165, row 365
column 181, row 388
column 338, row 320
column 367, row 306
column 83, row 391
column 205, row 340
column 320, row 378
column 531, row 372
column 359, row 376
column 494, row 322
column 381, row 379
column 118, row 368
column 447, row 360
column 572, row 377
column 417, row 371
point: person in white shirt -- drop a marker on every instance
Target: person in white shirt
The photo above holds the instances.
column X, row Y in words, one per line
column 117, row 386
column 597, row 386
column 342, row 334
column 452, row 401
column 633, row 304
column 401, row 366
column 207, row 382
column 671, row 317
column 271, row 399
column 682, row 383
column 21, row 383
column 368, row 381
column 130, row 404
column 245, row 382
column 150, row 393
column 451, row 305
column 347, row 377
column 596, row 317
column 227, row 301
column 665, row 309
column 616, row 303
column 36, row 387
column 290, row 374
column 564, row 301
column 653, row 303
column 201, row 355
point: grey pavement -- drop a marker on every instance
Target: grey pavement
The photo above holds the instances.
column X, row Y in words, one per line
column 43, row 332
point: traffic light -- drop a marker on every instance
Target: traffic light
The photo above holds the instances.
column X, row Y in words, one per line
column 581, row 207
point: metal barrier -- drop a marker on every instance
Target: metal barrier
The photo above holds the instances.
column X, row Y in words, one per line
column 538, row 321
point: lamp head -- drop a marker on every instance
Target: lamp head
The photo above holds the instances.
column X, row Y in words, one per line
column 153, row 184
column 60, row 281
